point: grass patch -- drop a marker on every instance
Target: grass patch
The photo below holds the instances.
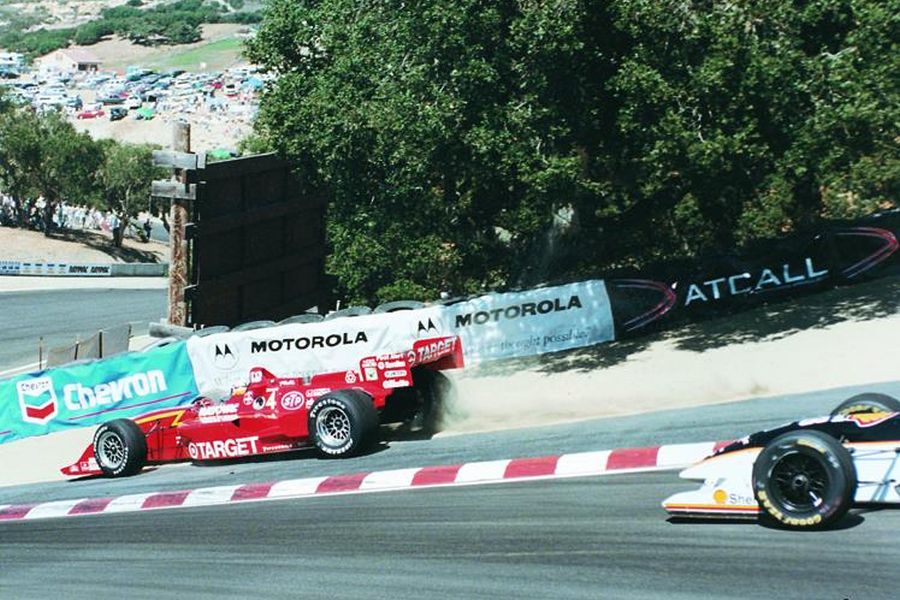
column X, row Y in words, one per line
column 211, row 56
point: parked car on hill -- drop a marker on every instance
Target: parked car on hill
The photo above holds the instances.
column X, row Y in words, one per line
column 90, row 114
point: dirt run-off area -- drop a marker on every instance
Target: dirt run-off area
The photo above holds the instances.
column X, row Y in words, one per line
column 841, row 337
column 76, row 246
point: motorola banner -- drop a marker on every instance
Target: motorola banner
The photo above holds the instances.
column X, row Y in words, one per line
column 490, row 327
column 516, row 324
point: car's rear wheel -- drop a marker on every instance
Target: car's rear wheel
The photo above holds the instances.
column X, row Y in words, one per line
column 120, row 448
column 869, row 402
column 419, row 409
column 804, row 479
column 343, row 423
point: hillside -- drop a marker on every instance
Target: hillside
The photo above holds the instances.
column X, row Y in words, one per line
column 219, row 48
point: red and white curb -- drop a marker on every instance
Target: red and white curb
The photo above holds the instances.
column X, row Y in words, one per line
column 623, row 460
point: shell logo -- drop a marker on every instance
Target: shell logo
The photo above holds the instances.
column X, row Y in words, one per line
column 870, row 419
column 720, row 496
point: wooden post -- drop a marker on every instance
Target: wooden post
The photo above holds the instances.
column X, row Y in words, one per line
column 178, row 245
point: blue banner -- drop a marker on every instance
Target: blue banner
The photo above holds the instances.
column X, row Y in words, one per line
column 88, row 394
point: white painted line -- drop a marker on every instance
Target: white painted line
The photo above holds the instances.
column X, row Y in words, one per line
column 210, row 496
column 48, row 510
column 582, row 463
column 381, row 480
column 21, row 369
column 677, row 455
column 128, row 503
column 482, row 471
column 296, row 487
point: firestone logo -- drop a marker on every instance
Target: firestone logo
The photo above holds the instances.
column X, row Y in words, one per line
column 37, row 400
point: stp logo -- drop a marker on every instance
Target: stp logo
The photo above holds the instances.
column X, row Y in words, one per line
column 292, row 401
column 37, row 399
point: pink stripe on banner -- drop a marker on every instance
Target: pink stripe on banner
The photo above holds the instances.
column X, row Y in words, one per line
column 341, row 483
column 253, row 491
column 531, row 467
column 632, row 458
column 165, row 500
column 90, row 506
column 11, row 513
column 148, row 403
column 436, row 475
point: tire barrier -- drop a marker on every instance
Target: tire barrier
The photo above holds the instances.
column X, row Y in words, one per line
column 491, row 327
column 773, row 270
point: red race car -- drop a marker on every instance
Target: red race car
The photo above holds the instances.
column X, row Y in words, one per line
column 338, row 413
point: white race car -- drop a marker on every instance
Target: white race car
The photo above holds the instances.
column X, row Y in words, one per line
column 806, row 474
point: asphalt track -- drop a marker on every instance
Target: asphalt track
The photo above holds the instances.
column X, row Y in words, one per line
column 595, row 537
column 61, row 316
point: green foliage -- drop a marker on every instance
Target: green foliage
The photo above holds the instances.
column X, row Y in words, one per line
column 168, row 23
column 44, row 155
column 36, row 42
column 245, row 17
column 182, row 33
column 123, row 178
column 93, row 32
column 451, row 134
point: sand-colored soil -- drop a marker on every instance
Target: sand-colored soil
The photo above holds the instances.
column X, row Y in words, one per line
column 83, row 247
column 207, row 131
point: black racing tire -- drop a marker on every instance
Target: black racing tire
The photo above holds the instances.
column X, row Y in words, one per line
column 343, row 423
column 418, row 409
column 434, row 388
column 804, row 480
column 869, row 402
column 120, row 448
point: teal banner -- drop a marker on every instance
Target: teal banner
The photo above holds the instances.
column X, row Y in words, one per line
column 88, row 394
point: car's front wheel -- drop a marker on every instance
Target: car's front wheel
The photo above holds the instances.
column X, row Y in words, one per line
column 804, row 479
column 120, row 448
column 869, row 402
column 343, row 423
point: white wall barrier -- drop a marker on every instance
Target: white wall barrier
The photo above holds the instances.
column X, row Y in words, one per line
column 10, row 267
column 493, row 326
